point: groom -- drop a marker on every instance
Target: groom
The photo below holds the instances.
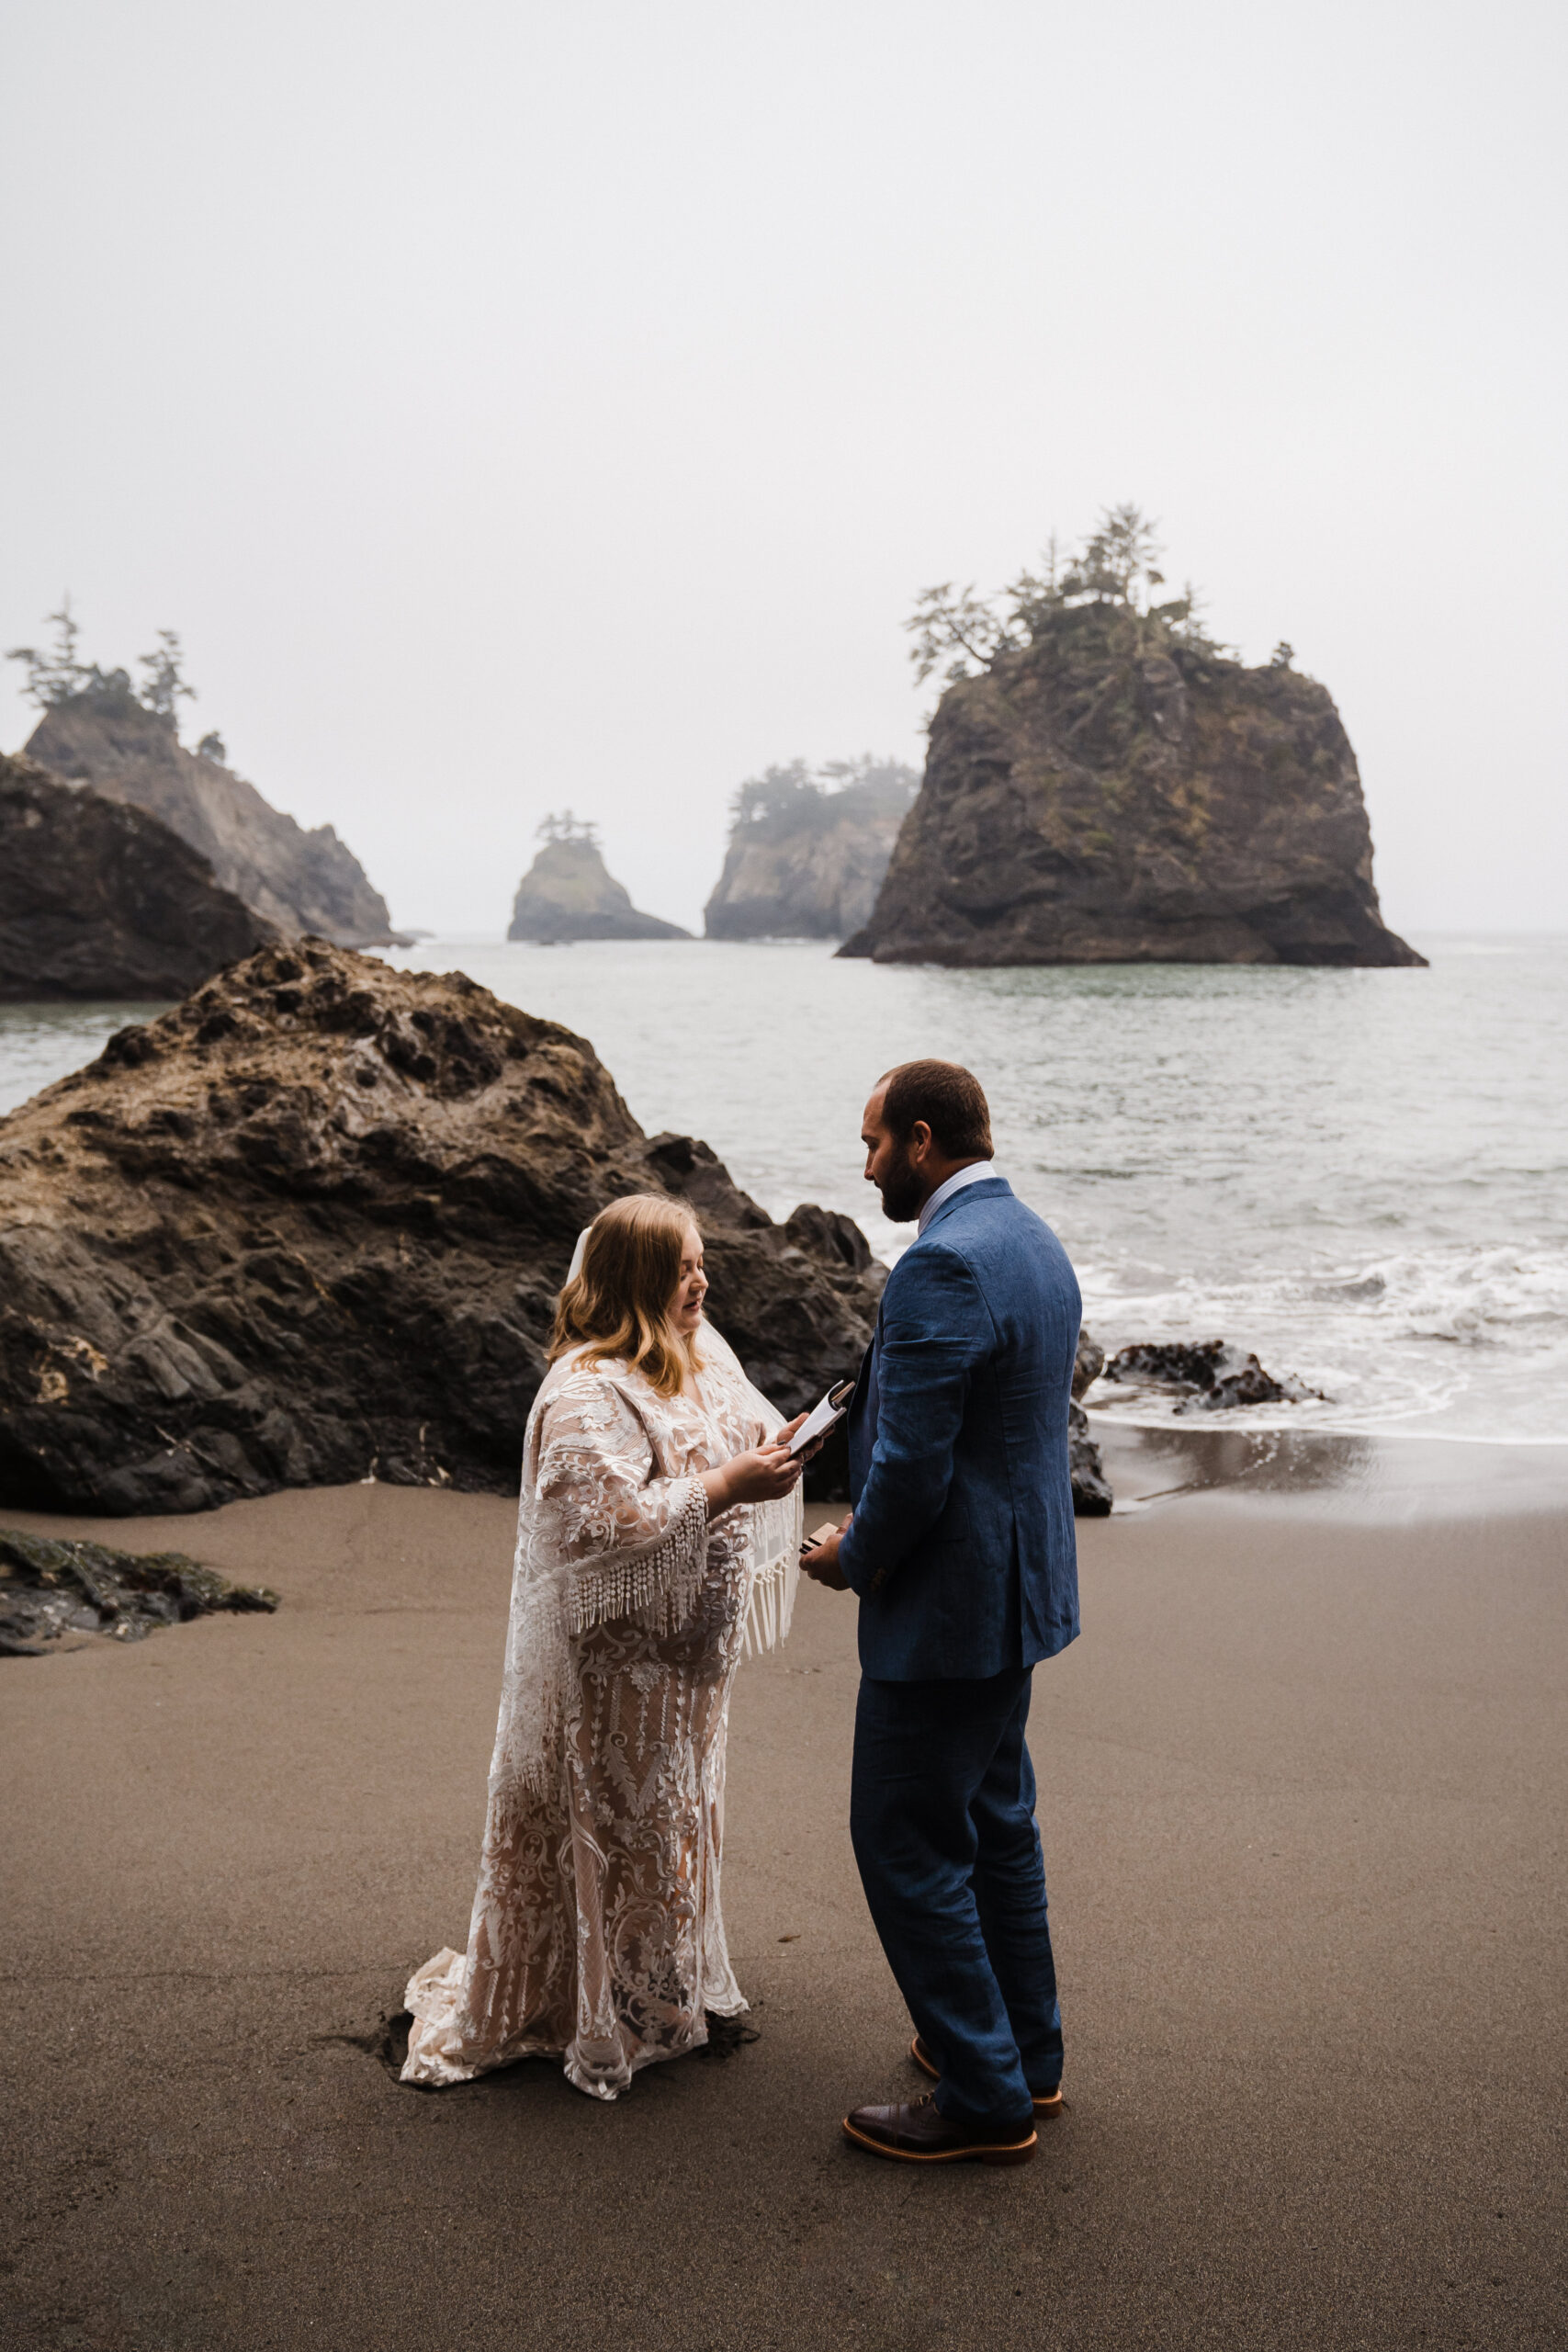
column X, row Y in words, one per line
column 960, row 1547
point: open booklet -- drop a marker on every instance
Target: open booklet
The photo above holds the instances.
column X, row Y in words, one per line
column 833, row 1407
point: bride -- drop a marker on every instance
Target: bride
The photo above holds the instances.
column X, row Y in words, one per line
column 658, row 1535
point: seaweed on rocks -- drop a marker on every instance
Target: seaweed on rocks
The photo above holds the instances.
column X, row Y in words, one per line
column 49, row 1588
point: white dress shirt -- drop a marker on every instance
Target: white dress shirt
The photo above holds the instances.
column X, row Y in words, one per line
column 976, row 1173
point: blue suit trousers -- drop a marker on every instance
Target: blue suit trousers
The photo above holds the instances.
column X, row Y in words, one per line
column 942, row 1816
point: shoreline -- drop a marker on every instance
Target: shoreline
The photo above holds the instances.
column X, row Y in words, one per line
column 1368, row 1478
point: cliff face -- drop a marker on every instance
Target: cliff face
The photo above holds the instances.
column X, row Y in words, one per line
column 805, row 864
column 309, row 1227
column 99, row 899
column 1112, row 793
column 568, row 894
column 299, row 881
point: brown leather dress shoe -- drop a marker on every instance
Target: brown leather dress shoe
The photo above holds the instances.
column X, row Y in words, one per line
column 1047, row 2105
column 916, row 2134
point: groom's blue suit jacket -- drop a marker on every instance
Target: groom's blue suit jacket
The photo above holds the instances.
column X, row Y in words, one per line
column 962, row 1547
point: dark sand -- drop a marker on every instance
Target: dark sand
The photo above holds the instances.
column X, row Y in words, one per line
column 1303, row 1796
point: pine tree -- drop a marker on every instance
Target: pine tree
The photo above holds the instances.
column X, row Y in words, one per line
column 57, row 673
column 164, row 685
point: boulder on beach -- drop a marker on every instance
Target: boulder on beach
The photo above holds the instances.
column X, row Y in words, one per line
column 568, row 893
column 99, row 899
column 51, row 1589
column 1210, row 1375
column 309, row 1227
column 1092, row 1496
column 1116, row 789
column 806, row 854
column 297, row 880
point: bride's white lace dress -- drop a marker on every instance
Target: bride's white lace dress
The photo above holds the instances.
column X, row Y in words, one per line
column 597, row 1931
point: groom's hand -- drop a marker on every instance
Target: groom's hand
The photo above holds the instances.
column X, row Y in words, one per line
column 821, row 1563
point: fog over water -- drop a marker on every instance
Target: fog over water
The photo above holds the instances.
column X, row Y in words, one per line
column 519, row 406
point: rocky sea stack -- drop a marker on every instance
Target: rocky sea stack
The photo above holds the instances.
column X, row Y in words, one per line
column 309, row 1227
column 99, row 899
column 297, row 880
column 807, row 854
column 1108, row 786
column 567, row 893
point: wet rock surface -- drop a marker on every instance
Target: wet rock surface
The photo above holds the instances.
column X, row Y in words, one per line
column 1113, row 794
column 309, row 1227
column 1211, row 1375
column 99, row 899
column 50, row 1590
column 1092, row 1496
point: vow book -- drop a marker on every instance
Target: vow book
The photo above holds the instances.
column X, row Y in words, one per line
column 822, row 1415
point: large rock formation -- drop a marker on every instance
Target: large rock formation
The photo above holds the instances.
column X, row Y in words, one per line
column 99, row 899
column 309, row 1227
column 298, row 880
column 1117, row 791
column 568, row 894
column 805, row 862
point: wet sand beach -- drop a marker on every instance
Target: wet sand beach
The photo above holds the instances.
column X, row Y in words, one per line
column 1303, row 1795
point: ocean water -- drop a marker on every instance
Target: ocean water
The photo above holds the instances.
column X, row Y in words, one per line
column 1362, row 1176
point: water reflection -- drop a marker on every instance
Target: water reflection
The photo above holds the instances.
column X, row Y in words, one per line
column 1381, row 1479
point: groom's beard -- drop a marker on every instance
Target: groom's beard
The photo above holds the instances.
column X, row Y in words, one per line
column 901, row 1191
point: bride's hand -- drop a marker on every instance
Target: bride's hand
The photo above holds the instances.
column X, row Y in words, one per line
column 782, row 1437
column 761, row 1475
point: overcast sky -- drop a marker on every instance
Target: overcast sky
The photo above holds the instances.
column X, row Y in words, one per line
column 521, row 405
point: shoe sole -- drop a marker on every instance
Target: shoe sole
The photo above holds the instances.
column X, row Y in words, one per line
column 1045, row 2109
column 1016, row 2152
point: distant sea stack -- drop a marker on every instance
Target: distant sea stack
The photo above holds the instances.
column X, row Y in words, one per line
column 297, row 880
column 99, row 899
column 1108, row 786
column 568, row 894
column 807, row 853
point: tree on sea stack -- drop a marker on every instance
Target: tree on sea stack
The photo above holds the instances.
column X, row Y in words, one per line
column 164, row 685
column 57, row 675
column 568, row 893
column 1107, row 783
column 100, row 731
column 563, row 826
column 809, row 848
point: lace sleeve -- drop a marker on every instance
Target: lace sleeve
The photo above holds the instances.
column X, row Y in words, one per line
column 628, row 1539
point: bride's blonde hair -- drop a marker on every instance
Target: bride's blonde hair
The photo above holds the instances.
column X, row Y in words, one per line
column 619, row 1301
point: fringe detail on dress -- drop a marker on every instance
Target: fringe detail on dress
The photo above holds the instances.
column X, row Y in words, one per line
column 770, row 1609
column 659, row 1589
column 775, row 1579
column 660, row 1586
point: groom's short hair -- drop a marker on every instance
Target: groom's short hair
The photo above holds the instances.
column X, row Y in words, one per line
column 951, row 1101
